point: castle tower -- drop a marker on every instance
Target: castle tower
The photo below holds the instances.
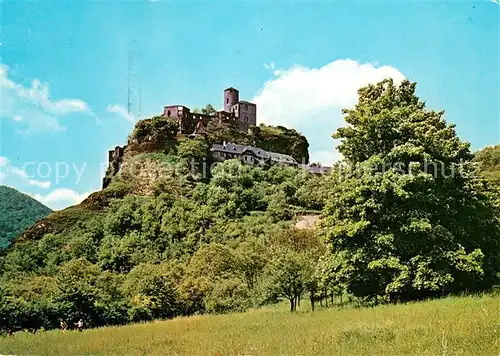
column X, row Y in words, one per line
column 231, row 97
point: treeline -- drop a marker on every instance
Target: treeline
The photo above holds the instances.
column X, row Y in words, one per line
column 405, row 216
column 279, row 139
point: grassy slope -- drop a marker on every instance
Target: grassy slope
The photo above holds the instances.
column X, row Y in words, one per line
column 452, row 326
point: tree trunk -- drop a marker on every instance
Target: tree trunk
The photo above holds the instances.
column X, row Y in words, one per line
column 292, row 304
column 311, row 297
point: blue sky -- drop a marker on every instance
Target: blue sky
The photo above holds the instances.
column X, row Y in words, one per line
column 64, row 72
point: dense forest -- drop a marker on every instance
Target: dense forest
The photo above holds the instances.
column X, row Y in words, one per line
column 406, row 215
column 17, row 212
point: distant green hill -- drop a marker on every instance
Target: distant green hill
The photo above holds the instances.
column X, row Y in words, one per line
column 18, row 211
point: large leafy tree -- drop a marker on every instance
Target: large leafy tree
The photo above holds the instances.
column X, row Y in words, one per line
column 410, row 218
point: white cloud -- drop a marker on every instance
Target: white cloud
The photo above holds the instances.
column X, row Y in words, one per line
column 25, row 178
column 311, row 99
column 61, row 198
column 18, row 174
column 120, row 111
column 32, row 107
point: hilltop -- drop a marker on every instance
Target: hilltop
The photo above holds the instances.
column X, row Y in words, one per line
column 158, row 157
column 18, row 211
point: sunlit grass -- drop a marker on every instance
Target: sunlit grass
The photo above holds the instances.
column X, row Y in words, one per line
column 452, row 326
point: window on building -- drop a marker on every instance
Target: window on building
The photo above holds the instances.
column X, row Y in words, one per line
column 168, row 113
column 246, row 107
column 246, row 119
column 227, row 100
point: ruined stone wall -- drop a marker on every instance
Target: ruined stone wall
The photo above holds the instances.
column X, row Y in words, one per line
column 115, row 159
column 175, row 111
column 247, row 115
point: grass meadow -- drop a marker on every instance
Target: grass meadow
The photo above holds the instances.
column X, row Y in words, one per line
column 451, row 326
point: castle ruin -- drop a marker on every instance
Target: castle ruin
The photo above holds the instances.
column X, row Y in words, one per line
column 238, row 113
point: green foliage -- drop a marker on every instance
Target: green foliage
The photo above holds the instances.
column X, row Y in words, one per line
column 450, row 326
column 202, row 247
column 410, row 220
column 208, row 110
column 101, row 199
column 67, row 220
column 488, row 160
column 192, row 149
column 155, row 128
column 212, row 282
column 151, row 288
column 270, row 138
column 17, row 212
column 288, row 275
column 193, row 154
column 281, row 140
